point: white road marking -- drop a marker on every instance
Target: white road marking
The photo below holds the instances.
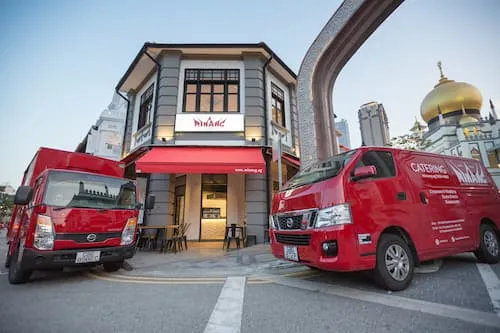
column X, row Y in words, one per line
column 436, row 309
column 492, row 284
column 226, row 316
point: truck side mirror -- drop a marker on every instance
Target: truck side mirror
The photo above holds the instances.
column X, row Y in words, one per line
column 365, row 172
column 23, row 195
column 150, row 201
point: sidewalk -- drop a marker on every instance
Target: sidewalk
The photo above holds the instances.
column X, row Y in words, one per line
column 206, row 262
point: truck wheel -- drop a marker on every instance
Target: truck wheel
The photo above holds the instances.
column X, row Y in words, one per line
column 395, row 263
column 17, row 275
column 488, row 251
column 112, row 266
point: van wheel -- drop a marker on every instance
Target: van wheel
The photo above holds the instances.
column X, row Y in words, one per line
column 395, row 263
column 488, row 251
column 17, row 275
column 112, row 266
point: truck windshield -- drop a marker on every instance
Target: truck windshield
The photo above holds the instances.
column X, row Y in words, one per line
column 78, row 190
column 321, row 170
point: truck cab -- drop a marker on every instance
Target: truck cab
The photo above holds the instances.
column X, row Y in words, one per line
column 66, row 217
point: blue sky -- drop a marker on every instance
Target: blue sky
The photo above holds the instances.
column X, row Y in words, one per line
column 60, row 60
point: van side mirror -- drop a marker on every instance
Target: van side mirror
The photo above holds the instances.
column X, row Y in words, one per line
column 150, row 201
column 365, row 172
column 23, row 195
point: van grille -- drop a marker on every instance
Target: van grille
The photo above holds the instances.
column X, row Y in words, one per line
column 290, row 222
column 293, row 239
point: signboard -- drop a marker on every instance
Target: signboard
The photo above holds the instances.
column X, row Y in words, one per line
column 210, row 122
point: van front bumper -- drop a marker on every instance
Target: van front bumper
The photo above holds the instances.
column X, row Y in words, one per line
column 40, row 260
column 347, row 256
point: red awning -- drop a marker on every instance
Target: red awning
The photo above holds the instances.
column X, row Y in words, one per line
column 202, row 160
column 292, row 160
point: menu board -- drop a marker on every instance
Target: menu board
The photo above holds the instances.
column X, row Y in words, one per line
column 210, row 213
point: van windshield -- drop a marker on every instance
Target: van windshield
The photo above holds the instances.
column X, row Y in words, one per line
column 321, row 170
column 79, row 190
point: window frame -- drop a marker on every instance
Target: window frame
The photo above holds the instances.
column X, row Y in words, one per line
column 275, row 92
column 377, row 177
column 199, row 81
column 144, row 102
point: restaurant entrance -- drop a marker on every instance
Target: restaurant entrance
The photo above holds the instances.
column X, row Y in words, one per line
column 213, row 206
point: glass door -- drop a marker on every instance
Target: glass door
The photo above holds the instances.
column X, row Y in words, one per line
column 213, row 207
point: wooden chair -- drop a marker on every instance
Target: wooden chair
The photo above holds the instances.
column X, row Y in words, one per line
column 169, row 241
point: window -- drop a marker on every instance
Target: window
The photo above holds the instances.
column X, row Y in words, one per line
column 212, row 90
column 278, row 105
column 382, row 160
column 145, row 108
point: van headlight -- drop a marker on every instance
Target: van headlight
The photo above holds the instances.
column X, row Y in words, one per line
column 335, row 215
column 44, row 233
column 128, row 233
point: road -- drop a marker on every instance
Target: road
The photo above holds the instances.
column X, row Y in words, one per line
column 453, row 298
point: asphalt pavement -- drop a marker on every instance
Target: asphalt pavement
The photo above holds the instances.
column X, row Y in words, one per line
column 248, row 290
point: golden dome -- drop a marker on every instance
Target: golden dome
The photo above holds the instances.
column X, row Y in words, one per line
column 450, row 96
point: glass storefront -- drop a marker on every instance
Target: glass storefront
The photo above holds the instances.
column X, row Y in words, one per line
column 213, row 207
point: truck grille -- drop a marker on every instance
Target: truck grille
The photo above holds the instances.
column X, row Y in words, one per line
column 82, row 238
column 293, row 239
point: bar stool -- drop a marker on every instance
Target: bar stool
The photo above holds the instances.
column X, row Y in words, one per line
column 230, row 235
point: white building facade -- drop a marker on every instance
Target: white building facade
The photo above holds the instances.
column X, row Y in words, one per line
column 105, row 138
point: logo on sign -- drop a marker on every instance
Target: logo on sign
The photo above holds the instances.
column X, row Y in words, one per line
column 209, row 123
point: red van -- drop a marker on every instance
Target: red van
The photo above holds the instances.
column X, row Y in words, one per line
column 386, row 210
column 72, row 209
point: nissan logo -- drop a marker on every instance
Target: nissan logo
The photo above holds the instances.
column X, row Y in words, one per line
column 289, row 223
column 91, row 237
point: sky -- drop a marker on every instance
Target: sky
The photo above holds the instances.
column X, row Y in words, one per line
column 61, row 60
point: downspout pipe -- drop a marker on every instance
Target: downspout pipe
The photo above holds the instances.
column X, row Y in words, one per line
column 157, row 90
column 126, row 120
column 266, row 138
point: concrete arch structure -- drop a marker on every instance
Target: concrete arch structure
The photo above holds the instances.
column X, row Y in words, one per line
column 348, row 28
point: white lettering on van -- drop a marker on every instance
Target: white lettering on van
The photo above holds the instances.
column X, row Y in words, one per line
column 469, row 175
column 429, row 168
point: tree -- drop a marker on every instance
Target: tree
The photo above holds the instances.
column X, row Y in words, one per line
column 6, row 205
column 412, row 141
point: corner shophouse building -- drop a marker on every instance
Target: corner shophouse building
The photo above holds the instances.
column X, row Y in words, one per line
column 199, row 127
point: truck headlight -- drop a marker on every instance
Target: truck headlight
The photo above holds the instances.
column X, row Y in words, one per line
column 128, row 233
column 272, row 222
column 44, row 233
column 335, row 215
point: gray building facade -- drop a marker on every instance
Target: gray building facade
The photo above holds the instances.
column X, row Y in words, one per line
column 373, row 124
column 190, row 102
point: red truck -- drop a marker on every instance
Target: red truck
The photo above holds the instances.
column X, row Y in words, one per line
column 72, row 209
column 386, row 210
